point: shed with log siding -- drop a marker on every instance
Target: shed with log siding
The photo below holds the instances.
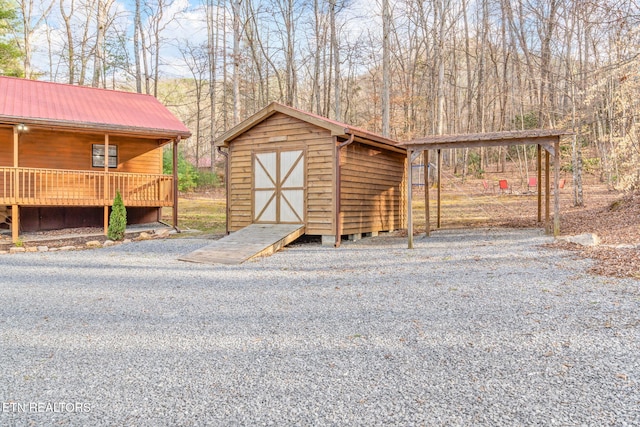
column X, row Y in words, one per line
column 290, row 166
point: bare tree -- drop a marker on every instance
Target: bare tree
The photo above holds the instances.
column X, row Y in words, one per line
column 335, row 53
column 32, row 18
column 98, row 56
column 386, row 65
column 66, row 16
column 237, row 36
column 137, row 27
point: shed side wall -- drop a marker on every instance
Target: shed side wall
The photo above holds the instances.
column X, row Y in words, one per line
column 372, row 189
column 270, row 135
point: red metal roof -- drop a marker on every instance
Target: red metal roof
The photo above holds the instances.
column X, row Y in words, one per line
column 55, row 104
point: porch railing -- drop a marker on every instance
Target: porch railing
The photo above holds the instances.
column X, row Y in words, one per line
column 56, row 187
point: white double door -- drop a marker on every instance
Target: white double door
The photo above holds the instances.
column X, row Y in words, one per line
column 278, row 188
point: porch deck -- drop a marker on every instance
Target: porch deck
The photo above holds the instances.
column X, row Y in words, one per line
column 56, row 187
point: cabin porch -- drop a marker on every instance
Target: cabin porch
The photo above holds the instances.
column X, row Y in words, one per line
column 58, row 187
column 29, row 192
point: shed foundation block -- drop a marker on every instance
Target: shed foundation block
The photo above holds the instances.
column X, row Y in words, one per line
column 328, row 240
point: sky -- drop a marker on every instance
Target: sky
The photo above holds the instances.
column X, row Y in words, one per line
column 188, row 25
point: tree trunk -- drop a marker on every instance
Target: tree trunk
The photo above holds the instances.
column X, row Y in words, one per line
column 386, row 25
column 70, row 45
column 335, row 49
column 98, row 50
column 237, row 34
column 136, row 46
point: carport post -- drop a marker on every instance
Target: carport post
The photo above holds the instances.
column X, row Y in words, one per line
column 427, row 220
column 547, row 194
column 409, row 201
column 556, row 187
column 439, row 184
column 539, row 186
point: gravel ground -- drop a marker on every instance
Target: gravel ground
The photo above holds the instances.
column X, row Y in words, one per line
column 473, row 327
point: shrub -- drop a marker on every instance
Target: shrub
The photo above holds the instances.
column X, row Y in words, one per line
column 187, row 173
column 474, row 165
column 208, row 179
column 117, row 219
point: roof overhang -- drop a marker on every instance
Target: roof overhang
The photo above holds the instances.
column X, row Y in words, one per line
column 139, row 132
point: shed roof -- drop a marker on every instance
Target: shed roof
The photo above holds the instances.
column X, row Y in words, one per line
column 35, row 102
column 533, row 136
column 336, row 128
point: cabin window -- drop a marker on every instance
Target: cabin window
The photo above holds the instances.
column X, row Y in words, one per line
column 98, row 156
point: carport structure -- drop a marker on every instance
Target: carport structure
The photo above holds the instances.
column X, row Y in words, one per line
column 549, row 140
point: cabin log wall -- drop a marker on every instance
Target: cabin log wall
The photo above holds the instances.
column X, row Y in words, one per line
column 6, row 146
column 51, row 166
column 72, row 151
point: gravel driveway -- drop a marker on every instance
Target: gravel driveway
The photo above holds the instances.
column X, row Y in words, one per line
column 473, row 327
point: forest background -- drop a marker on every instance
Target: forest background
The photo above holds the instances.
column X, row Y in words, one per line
column 406, row 68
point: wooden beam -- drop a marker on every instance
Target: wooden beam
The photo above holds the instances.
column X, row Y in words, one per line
column 547, row 194
column 556, row 187
column 15, row 223
column 550, row 149
column 99, row 130
column 106, row 184
column 539, row 186
column 427, row 220
column 418, row 146
column 226, row 187
column 414, row 156
column 175, row 182
column 381, row 145
column 16, row 137
column 106, row 219
column 409, row 200
column 439, row 186
column 15, row 210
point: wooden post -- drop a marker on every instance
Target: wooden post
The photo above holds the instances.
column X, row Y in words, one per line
column 175, row 182
column 539, row 186
column 427, row 220
column 15, row 210
column 556, row 187
column 547, row 193
column 439, row 184
column 227, row 189
column 16, row 137
column 409, row 200
column 106, row 184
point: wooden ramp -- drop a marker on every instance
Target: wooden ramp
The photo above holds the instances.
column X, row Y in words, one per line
column 249, row 242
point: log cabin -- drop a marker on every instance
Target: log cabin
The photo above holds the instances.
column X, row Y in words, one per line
column 65, row 150
column 287, row 166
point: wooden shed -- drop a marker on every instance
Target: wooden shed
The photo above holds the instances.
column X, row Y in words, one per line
column 290, row 166
column 65, row 150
